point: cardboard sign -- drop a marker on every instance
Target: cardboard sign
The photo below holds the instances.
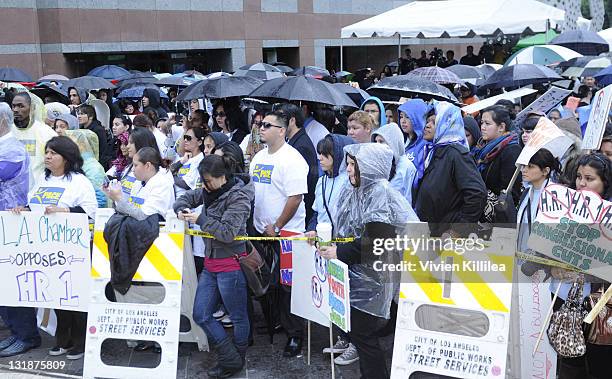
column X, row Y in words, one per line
column 546, row 135
column 574, row 227
column 512, row 95
column 286, row 258
column 339, row 298
column 44, row 260
column 310, row 288
column 543, row 104
column 572, row 103
column 533, row 303
column 598, row 119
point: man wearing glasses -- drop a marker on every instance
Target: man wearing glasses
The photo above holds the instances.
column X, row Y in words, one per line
column 279, row 174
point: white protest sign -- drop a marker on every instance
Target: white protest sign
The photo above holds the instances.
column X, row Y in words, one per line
column 533, row 303
column 339, row 298
column 574, row 227
column 45, row 260
column 310, row 285
column 453, row 316
column 598, row 119
column 512, row 95
column 546, row 135
column 544, row 103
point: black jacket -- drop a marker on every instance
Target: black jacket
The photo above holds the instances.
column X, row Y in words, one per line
column 303, row 144
column 451, row 191
column 154, row 102
column 128, row 241
column 499, row 171
column 106, row 148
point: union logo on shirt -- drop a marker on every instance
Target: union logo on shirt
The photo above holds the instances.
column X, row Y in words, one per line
column 137, row 201
column 30, row 146
column 47, row 195
column 184, row 170
column 262, row 173
column 127, row 183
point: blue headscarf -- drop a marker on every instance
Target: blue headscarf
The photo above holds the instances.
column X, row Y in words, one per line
column 449, row 128
column 416, row 110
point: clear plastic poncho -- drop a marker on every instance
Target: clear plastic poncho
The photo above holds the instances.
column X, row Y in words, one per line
column 373, row 201
column 87, row 141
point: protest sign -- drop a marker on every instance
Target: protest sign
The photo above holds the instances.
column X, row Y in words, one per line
column 574, row 227
column 45, row 260
column 310, row 288
column 598, row 119
column 543, row 104
column 546, row 135
column 339, row 299
column 533, row 302
column 453, row 318
column 286, row 258
column 512, row 95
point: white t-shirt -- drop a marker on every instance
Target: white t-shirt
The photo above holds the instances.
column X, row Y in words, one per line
column 63, row 192
column 190, row 174
column 156, row 196
column 276, row 177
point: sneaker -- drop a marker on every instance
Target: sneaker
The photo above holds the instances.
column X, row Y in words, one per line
column 219, row 314
column 340, row 347
column 75, row 354
column 18, row 347
column 227, row 322
column 348, row 357
column 7, row 342
column 58, row 350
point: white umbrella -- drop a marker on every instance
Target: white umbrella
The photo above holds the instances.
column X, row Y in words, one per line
column 542, row 54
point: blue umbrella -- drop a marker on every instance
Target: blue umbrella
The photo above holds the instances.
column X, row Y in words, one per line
column 108, row 71
column 585, row 42
column 10, row 74
column 88, row 83
column 137, row 92
column 604, row 77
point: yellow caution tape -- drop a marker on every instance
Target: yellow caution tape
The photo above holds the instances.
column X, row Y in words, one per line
column 199, row 233
column 547, row 262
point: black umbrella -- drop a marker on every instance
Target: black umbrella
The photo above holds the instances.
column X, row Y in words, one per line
column 221, row 87
column 261, row 71
column 313, row 71
column 302, row 88
column 407, row 85
column 88, row 83
column 10, row 74
column 466, row 72
column 584, row 42
column 283, row 67
column 519, row 75
column 357, row 95
column 45, row 89
column 173, row 81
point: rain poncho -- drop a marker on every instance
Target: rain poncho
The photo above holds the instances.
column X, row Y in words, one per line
column 87, row 141
column 330, row 188
column 34, row 137
column 73, row 122
column 405, row 171
column 382, row 120
column 373, row 201
column 449, row 128
column 14, row 164
column 416, row 110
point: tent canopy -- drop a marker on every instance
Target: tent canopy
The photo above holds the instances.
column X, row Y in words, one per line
column 535, row 40
column 458, row 18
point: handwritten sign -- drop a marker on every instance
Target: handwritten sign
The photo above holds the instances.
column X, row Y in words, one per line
column 546, row 135
column 310, row 287
column 574, row 227
column 339, row 299
column 598, row 119
column 544, row 103
column 45, row 260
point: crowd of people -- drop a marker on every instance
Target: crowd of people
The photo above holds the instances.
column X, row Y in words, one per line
column 237, row 171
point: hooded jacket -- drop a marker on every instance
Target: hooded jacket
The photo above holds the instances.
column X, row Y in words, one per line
column 330, row 187
column 225, row 218
column 382, row 120
column 154, row 102
column 14, row 165
column 405, row 172
column 416, row 110
column 34, row 137
column 218, row 137
column 73, row 122
column 83, row 95
column 471, row 125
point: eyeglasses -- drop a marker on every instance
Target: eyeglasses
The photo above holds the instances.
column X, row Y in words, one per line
column 267, row 125
column 220, row 114
column 187, row 137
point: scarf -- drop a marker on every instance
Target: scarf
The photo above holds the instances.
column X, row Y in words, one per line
column 121, row 161
column 487, row 153
column 211, row 197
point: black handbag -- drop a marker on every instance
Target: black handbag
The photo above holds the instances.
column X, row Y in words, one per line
column 255, row 270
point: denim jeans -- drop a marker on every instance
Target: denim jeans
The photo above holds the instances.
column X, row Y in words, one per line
column 22, row 322
column 229, row 288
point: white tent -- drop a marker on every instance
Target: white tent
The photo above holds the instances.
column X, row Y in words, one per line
column 458, row 18
column 607, row 35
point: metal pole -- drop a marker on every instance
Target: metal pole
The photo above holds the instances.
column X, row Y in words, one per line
column 341, row 54
column 399, row 46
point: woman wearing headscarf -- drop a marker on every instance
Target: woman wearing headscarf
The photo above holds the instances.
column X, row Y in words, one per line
column 496, row 156
column 412, row 121
column 370, row 209
column 452, row 191
column 87, row 141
